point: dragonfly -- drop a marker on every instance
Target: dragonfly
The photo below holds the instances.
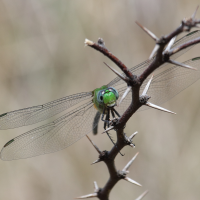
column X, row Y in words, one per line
column 83, row 112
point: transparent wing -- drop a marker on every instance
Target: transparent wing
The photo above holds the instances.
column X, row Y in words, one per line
column 52, row 137
column 166, row 84
column 138, row 69
column 32, row 115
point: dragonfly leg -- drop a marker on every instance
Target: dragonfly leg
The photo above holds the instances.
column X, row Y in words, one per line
column 102, row 116
column 111, row 139
column 108, row 124
column 113, row 114
column 108, row 118
column 116, row 112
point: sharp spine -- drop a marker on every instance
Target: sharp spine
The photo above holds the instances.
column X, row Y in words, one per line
column 147, row 86
column 181, row 64
column 158, row 108
column 125, row 94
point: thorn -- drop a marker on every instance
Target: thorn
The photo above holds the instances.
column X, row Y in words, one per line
column 87, row 196
column 154, row 51
column 96, row 188
column 116, row 72
column 171, row 42
column 130, row 162
column 193, row 16
column 108, row 129
column 95, row 146
column 88, row 42
column 181, row 64
column 125, row 94
column 132, row 145
column 132, row 181
column 158, row 107
column 96, row 161
column 133, row 135
column 147, row 31
column 147, row 86
column 197, row 26
column 142, row 195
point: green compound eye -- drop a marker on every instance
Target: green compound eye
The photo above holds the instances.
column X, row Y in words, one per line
column 100, row 96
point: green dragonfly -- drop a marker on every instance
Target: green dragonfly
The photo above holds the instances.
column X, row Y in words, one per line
column 84, row 118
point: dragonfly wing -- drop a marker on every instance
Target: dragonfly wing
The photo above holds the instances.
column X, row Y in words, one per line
column 32, row 115
column 166, row 84
column 39, row 113
column 52, row 137
column 172, row 81
column 138, row 69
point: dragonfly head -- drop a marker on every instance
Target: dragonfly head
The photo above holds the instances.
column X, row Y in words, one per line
column 108, row 96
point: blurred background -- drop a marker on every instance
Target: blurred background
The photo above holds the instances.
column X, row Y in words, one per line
column 43, row 58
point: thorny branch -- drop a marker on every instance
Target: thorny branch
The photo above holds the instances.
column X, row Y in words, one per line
column 159, row 56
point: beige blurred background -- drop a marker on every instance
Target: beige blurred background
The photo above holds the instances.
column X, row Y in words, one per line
column 42, row 58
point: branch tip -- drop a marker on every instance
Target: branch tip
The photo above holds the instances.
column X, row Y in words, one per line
column 88, row 42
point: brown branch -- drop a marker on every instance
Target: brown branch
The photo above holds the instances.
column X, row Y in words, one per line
column 183, row 46
column 100, row 46
column 186, row 25
column 108, row 157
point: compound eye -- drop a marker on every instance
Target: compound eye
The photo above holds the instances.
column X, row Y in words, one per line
column 100, row 96
column 111, row 89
